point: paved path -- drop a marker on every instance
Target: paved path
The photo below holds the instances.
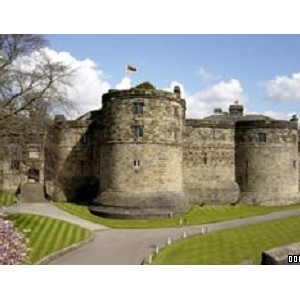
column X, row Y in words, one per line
column 131, row 246
column 48, row 209
column 33, row 193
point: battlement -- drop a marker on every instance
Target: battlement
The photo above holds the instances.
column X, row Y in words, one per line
column 134, row 93
column 225, row 123
column 268, row 123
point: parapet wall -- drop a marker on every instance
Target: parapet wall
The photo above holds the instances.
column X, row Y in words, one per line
column 209, row 162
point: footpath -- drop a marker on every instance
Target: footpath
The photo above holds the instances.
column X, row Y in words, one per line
column 128, row 246
column 50, row 210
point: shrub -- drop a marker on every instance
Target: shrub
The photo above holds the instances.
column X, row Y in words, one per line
column 146, row 86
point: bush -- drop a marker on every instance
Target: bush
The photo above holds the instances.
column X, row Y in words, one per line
column 13, row 249
column 146, row 86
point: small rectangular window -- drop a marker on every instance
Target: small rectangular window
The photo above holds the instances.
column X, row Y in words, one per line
column 82, row 166
column 34, row 153
column 261, row 137
column 294, row 164
column 136, row 163
column 176, row 111
column 175, row 135
column 138, row 108
column 83, row 139
column 138, row 131
column 15, row 164
column 205, row 159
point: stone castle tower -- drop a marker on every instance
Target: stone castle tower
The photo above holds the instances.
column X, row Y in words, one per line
column 139, row 157
column 141, row 153
column 267, row 161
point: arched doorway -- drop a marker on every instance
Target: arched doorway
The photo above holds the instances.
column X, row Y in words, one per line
column 33, row 175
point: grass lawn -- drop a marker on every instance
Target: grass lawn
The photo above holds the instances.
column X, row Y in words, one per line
column 7, row 199
column 48, row 235
column 231, row 246
column 196, row 215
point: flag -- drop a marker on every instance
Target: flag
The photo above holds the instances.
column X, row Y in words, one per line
column 130, row 69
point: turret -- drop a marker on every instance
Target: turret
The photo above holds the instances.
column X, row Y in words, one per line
column 236, row 110
column 141, row 156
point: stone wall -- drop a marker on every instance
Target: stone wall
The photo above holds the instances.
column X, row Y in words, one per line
column 11, row 180
column 279, row 255
column 209, row 162
column 267, row 171
column 76, row 163
column 172, row 162
column 141, row 176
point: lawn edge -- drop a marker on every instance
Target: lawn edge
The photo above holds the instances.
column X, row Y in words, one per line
column 177, row 226
column 47, row 259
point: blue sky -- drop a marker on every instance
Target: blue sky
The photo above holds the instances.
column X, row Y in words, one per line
column 214, row 70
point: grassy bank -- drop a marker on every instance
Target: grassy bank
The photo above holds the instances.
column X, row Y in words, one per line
column 231, row 246
column 196, row 215
column 48, row 235
column 7, row 199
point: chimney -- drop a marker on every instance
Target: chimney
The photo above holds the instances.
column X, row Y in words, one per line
column 236, row 109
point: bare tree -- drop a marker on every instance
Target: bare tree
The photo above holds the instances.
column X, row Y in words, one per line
column 29, row 79
column 32, row 88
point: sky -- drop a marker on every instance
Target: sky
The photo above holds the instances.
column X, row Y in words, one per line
column 260, row 71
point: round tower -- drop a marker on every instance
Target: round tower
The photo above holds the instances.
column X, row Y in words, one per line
column 141, row 169
column 267, row 161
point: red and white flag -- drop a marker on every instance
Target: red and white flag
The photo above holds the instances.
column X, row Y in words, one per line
column 130, row 69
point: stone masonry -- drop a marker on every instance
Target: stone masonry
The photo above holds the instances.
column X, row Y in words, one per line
column 139, row 157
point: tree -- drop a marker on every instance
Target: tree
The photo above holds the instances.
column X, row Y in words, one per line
column 33, row 87
column 29, row 80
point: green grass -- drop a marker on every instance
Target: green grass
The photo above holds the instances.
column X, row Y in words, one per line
column 231, row 246
column 196, row 215
column 7, row 199
column 48, row 235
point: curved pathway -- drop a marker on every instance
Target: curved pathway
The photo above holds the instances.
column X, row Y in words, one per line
column 50, row 210
column 127, row 246
column 131, row 246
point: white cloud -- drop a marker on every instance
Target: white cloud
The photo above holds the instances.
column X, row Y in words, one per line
column 284, row 88
column 88, row 82
column 124, row 84
column 206, row 75
column 273, row 114
column 221, row 95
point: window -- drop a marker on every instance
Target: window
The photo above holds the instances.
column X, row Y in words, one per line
column 261, row 137
column 294, row 164
column 82, row 166
column 138, row 108
column 175, row 135
column 34, row 154
column 138, row 131
column 15, row 164
column 205, row 159
column 176, row 111
column 83, row 139
column 137, row 163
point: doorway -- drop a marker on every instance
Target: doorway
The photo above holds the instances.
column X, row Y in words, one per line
column 33, row 175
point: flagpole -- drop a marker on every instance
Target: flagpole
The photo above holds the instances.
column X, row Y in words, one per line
column 130, row 70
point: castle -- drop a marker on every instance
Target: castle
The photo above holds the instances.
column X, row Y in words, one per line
column 139, row 157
